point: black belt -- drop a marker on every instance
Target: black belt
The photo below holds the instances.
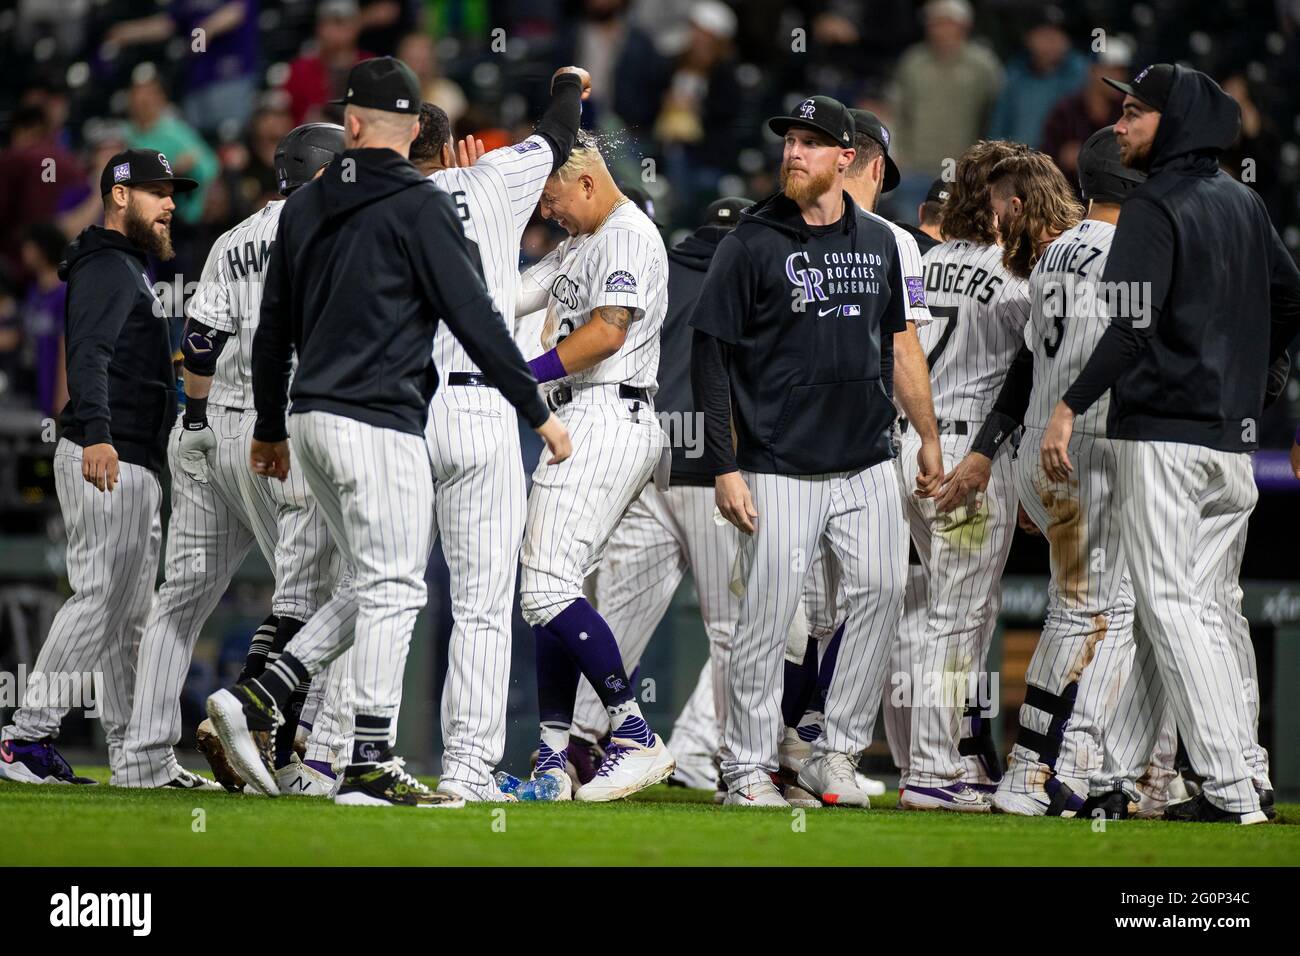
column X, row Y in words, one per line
column 469, row 378
column 947, row 426
column 564, row 395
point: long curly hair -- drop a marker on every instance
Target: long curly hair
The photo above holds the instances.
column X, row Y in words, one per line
column 1049, row 207
column 967, row 214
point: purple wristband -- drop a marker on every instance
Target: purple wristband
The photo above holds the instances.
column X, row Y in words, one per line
column 547, row 367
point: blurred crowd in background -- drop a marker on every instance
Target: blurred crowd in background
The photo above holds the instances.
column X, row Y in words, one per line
column 680, row 92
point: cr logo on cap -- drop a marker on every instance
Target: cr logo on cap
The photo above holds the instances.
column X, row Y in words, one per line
column 807, row 108
column 165, row 165
column 1140, row 76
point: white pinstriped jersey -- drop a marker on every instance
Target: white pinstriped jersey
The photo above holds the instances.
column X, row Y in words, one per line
column 1069, row 314
column 978, row 312
column 909, row 261
column 495, row 199
column 621, row 263
column 229, row 299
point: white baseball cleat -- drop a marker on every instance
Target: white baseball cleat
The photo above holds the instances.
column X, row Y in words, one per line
column 761, row 794
column 183, row 779
column 697, row 774
column 489, row 793
column 833, row 777
column 296, row 779
column 958, row 797
column 1020, row 804
column 627, row 768
column 869, row 785
column 792, row 752
column 250, row 758
column 797, row 796
column 564, row 781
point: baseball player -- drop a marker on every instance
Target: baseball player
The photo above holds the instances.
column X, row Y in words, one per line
column 871, row 174
column 1185, row 410
column 113, row 438
column 360, row 306
column 219, row 509
column 605, row 292
column 666, row 533
column 479, row 494
column 1086, row 641
column 798, row 306
column 979, row 309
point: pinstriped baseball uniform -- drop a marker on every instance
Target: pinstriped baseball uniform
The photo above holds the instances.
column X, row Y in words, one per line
column 1180, row 546
column 662, row 535
column 478, row 477
column 214, row 524
column 979, row 311
column 1090, row 600
column 573, row 507
column 112, row 559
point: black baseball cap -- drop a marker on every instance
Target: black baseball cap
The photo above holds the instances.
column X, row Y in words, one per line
column 865, row 121
column 1101, row 174
column 135, row 167
column 822, row 113
column 642, row 200
column 725, row 211
column 940, row 191
column 382, row 83
column 1152, row 86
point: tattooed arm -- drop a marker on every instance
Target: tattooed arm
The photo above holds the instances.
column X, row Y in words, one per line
column 598, row 339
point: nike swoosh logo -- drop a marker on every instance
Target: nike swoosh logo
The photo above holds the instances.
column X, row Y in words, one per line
column 823, row 312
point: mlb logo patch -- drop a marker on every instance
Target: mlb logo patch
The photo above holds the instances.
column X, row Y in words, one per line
column 884, row 135
column 403, row 104
column 620, row 281
column 849, row 310
column 915, row 291
column 526, row 146
column 122, row 172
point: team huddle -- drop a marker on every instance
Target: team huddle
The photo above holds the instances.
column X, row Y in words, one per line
column 881, row 406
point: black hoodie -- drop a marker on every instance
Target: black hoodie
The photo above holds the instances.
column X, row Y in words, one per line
column 121, row 383
column 1189, row 360
column 688, row 263
column 788, row 337
column 368, row 259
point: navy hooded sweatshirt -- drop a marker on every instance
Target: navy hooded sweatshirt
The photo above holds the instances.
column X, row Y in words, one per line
column 368, row 259
column 1190, row 362
column 788, row 332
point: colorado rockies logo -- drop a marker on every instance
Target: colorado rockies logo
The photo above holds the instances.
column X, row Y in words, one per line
column 807, row 108
column 566, row 290
column 615, row 684
column 165, row 165
column 808, row 279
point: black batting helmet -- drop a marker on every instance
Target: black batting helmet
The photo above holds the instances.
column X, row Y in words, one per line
column 1101, row 174
column 303, row 151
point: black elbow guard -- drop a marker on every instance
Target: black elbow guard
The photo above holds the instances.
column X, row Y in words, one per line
column 201, row 345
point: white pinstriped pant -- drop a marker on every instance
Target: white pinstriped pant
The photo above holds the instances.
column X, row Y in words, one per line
column 573, row 507
column 662, row 535
column 112, row 560
column 374, row 488
column 903, row 661
column 479, row 503
column 1088, row 633
column 964, row 553
column 860, row 515
column 211, row 529
column 1185, row 509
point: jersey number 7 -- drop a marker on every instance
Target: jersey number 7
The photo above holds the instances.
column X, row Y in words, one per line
column 949, row 312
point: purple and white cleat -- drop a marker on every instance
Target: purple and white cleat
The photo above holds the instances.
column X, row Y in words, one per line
column 36, row 762
column 958, row 796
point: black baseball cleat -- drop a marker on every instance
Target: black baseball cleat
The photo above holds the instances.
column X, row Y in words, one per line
column 245, row 718
column 1112, row 805
column 1199, row 809
column 387, row 784
column 1266, row 804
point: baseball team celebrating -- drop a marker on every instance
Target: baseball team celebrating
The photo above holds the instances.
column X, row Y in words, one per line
column 880, row 405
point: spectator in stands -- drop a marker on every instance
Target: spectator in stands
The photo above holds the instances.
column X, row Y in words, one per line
column 628, row 75
column 1093, row 106
column 943, row 92
column 417, row 51
column 80, row 204
column 42, row 317
column 321, row 75
column 694, row 121
column 11, row 346
column 1039, row 75
column 221, row 77
column 1247, row 159
column 257, row 182
column 156, row 125
column 33, row 170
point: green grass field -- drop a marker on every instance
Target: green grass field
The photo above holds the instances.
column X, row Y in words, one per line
column 104, row 826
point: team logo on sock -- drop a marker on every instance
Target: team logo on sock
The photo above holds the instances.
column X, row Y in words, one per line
column 370, row 753
column 616, row 684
